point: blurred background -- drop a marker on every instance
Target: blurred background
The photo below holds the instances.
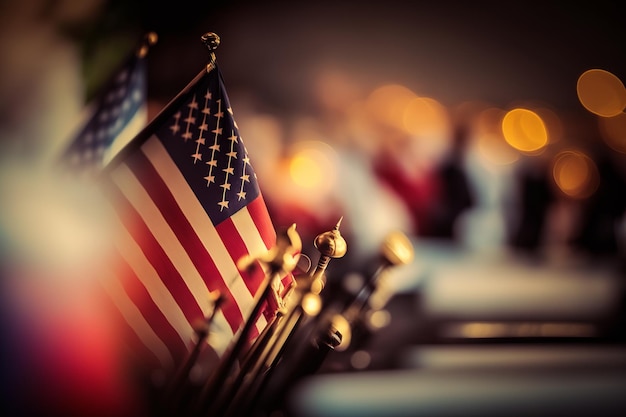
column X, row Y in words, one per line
column 491, row 133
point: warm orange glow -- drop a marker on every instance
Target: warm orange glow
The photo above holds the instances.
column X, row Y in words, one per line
column 305, row 169
column 426, row 117
column 312, row 166
column 496, row 150
column 486, row 330
column 360, row 359
column 387, row 104
column 379, row 319
column 335, row 90
column 341, row 324
column 489, row 121
column 524, row 130
column 553, row 123
column 575, row 174
column 311, row 304
column 601, row 92
column 613, row 131
column 426, row 120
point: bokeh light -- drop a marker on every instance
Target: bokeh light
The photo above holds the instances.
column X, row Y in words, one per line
column 524, row 130
column 553, row 124
column 312, row 166
column 352, row 115
column 426, row 117
column 575, row 174
column 613, row 131
column 311, row 304
column 387, row 104
column 601, row 92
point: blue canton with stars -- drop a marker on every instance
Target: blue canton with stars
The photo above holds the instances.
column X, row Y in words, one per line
column 203, row 140
column 116, row 106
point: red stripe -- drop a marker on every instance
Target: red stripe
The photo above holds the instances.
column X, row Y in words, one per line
column 158, row 258
column 260, row 215
column 140, row 296
column 139, row 352
column 261, row 218
column 186, row 235
column 237, row 249
column 252, row 278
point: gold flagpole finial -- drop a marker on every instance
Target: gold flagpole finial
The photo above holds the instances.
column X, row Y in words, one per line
column 211, row 41
column 148, row 40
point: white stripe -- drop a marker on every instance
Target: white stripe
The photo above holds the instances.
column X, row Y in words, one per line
column 163, row 233
column 244, row 224
column 254, row 242
column 132, row 128
column 150, row 279
column 198, row 219
column 137, row 322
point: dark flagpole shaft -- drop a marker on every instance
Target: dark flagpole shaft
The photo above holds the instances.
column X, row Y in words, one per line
column 281, row 260
column 319, row 337
column 253, row 360
column 331, row 245
column 175, row 388
column 210, row 391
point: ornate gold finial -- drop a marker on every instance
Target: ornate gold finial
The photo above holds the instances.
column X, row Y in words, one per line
column 149, row 39
column 211, row 41
column 331, row 243
column 397, row 249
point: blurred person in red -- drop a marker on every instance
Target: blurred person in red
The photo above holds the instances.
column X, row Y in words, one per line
column 411, row 179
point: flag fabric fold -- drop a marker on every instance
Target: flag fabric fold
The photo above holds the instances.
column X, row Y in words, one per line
column 188, row 205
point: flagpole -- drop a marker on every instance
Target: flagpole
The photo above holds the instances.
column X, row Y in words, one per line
column 280, row 260
column 330, row 244
column 317, row 338
column 173, row 392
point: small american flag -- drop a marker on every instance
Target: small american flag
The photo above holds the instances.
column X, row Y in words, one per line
column 115, row 116
column 190, row 207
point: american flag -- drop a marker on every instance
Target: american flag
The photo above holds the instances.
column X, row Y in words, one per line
column 113, row 118
column 190, row 207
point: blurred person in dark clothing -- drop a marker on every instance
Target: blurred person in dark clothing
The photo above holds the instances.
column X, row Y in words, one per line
column 534, row 199
column 602, row 212
column 454, row 191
